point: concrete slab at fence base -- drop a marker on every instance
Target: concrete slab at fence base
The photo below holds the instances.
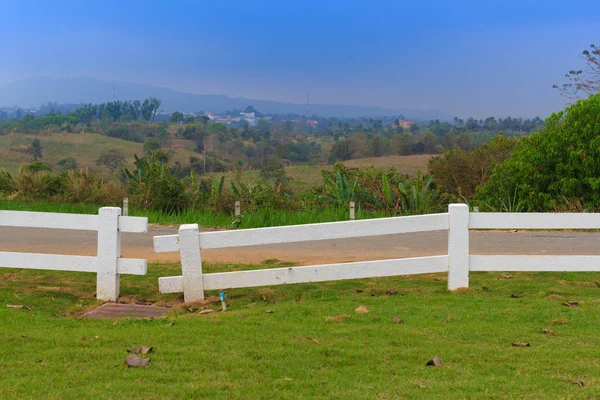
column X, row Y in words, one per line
column 116, row 310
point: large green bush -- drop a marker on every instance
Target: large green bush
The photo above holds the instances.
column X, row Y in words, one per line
column 554, row 169
column 154, row 186
column 460, row 173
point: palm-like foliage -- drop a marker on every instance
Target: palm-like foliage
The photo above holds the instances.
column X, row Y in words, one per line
column 418, row 196
column 340, row 191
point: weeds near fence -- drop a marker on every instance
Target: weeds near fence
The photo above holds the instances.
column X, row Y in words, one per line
column 206, row 217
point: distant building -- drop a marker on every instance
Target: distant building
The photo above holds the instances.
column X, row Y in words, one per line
column 312, row 123
column 403, row 124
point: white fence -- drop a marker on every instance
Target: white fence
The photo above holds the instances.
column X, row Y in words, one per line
column 457, row 263
column 108, row 264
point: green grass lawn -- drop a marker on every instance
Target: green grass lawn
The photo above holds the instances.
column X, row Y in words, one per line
column 295, row 352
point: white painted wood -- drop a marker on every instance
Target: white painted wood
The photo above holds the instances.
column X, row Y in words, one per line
column 170, row 284
column 352, row 205
column 530, row 263
column 132, row 266
column 534, row 221
column 303, row 233
column 60, row 262
column 330, row 230
column 57, row 262
column 315, row 273
column 458, row 246
column 191, row 263
column 109, row 251
column 166, row 243
column 238, row 208
column 126, row 206
column 27, row 219
column 327, row 272
column 133, row 224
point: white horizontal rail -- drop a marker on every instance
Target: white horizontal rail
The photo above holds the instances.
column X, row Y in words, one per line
column 315, row 273
column 534, row 221
column 27, row 219
column 60, row 262
column 535, row 263
column 310, row 232
column 133, row 224
column 86, row 222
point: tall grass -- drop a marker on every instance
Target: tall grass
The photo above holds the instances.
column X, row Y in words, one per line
column 207, row 218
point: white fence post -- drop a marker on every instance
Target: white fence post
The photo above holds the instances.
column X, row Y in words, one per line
column 125, row 206
column 458, row 246
column 352, row 204
column 191, row 263
column 237, row 208
column 109, row 251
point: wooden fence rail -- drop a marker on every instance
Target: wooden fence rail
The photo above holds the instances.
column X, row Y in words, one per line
column 108, row 263
column 458, row 220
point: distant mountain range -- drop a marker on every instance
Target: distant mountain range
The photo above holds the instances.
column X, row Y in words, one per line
column 38, row 91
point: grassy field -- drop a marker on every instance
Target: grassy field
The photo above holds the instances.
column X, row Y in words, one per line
column 303, row 177
column 306, row 341
column 85, row 148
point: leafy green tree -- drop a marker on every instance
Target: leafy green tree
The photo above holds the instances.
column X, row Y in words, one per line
column 401, row 144
column 149, row 108
column 555, row 168
column 430, row 143
column 460, row 172
column 36, row 149
column 343, row 150
column 177, row 117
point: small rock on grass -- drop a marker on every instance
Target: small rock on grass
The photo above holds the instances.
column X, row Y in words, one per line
column 338, row 318
column 362, row 310
column 571, row 303
column 135, row 361
column 520, row 344
column 397, row 320
column 434, row 362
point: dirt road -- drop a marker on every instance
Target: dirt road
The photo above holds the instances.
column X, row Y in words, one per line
column 317, row 252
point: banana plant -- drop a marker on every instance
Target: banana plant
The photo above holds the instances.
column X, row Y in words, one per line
column 417, row 196
column 340, row 191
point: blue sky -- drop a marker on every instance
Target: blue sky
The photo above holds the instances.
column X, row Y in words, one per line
column 466, row 58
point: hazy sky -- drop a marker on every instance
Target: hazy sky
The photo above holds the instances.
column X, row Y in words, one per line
column 466, row 58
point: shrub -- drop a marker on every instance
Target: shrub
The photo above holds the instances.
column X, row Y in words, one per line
column 36, row 166
column 85, row 187
column 460, row 172
column 67, row 163
column 156, row 187
column 558, row 166
column 7, row 184
column 39, row 185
